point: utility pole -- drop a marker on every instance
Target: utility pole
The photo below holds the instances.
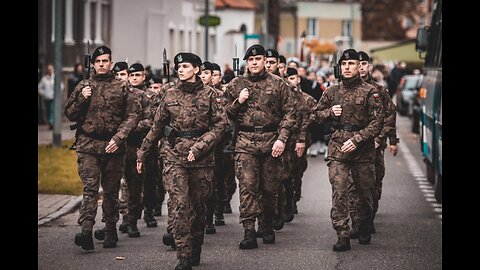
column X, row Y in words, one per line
column 206, row 30
column 57, row 117
column 267, row 31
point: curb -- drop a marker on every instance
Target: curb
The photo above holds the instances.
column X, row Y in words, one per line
column 73, row 204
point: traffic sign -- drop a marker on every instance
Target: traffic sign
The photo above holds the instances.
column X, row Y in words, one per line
column 212, row 20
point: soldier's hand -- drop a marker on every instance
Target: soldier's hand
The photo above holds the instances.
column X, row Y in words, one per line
column 376, row 145
column 139, row 167
column 87, row 91
column 393, row 149
column 299, row 149
column 111, row 147
column 243, row 95
column 337, row 110
column 348, row 146
column 278, row 148
column 191, row 156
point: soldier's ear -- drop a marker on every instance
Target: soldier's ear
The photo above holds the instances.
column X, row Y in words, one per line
column 196, row 70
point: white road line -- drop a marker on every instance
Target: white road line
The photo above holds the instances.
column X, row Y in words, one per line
column 421, row 179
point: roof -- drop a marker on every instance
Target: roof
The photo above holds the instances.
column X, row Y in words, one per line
column 235, row 4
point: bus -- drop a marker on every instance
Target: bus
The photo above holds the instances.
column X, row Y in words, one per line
column 429, row 42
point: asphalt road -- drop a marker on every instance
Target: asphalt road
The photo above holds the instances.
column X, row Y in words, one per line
column 408, row 223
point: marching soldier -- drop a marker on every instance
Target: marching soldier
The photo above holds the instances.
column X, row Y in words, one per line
column 357, row 118
column 106, row 112
column 193, row 123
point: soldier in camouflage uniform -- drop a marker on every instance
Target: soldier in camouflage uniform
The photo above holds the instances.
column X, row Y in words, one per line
column 388, row 131
column 193, row 122
column 261, row 103
column 303, row 140
column 357, row 114
column 105, row 112
column 282, row 66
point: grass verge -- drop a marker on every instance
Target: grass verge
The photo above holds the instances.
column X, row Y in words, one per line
column 57, row 170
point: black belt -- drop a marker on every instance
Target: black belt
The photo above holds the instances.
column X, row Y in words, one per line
column 190, row 133
column 259, row 129
column 101, row 137
column 348, row 127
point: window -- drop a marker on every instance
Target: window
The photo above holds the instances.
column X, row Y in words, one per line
column 312, row 26
column 347, row 28
column 181, row 41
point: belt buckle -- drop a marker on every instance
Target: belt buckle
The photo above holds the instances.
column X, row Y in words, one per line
column 258, row 129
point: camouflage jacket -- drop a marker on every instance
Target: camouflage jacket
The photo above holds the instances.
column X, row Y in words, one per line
column 310, row 104
column 362, row 107
column 187, row 107
column 110, row 112
column 389, row 129
column 270, row 103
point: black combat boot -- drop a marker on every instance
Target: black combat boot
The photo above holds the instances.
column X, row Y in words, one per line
column 278, row 222
column 210, row 229
column 149, row 219
column 184, row 264
column 227, row 209
column 168, row 240
column 219, row 219
column 268, row 237
column 99, row 234
column 157, row 212
column 132, row 230
column 249, row 240
column 195, row 257
column 111, row 239
column 123, row 228
column 289, row 215
column 84, row 240
column 354, row 232
column 364, row 239
column 343, row 244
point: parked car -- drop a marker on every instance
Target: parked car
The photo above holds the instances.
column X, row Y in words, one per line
column 407, row 92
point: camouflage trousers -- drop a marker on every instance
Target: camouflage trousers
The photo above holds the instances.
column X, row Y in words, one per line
column 376, row 192
column 216, row 202
column 95, row 170
column 123, row 197
column 153, row 190
column 229, row 175
column 362, row 175
column 259, row 182
column 135, row 185
column 299, row 167
column 188, row 190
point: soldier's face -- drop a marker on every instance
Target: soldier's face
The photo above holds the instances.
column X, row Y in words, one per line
column 186, row 72
column 216, row 77
column 255, row 64
column 155, row 87
column 136, row 78
column 364, row 68
column 282, row 68
column 102, row 64
column 271, row 64
column 350, row 68
column 122, row 75
column 293, row 80
column 206, row 76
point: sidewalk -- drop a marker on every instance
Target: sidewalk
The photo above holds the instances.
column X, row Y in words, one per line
column 52, row 206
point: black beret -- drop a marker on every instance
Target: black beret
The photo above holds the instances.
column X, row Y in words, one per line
column 119, row 66
column 291, row 71
column 207, row 66
column 363, row 56
column 135, row 68
column 254, row 50
column 282, row 59
column 271, row 53
column 99, row 51
column 348, row 54
column 216, row 67
column 184, row 57
column 154, row 80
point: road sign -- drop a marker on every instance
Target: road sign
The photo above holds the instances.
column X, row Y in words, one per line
column 252, row 36
column 212, row 20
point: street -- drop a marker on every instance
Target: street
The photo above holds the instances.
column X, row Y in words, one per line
column 408, row 225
